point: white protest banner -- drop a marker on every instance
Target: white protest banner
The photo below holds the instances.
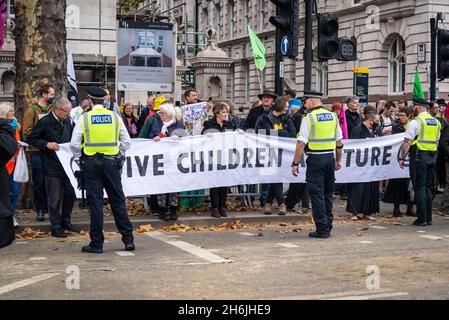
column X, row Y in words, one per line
column 233, row 158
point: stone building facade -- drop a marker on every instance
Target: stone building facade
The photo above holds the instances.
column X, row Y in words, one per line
column 388, row 34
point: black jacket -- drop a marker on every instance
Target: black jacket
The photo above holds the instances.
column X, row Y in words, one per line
column 48, row 129
column 362, row 132
column 353, row 119
column 253, row 115
column 212, row 124
column 267, row 121
column 297, row 119
column 8, row 146
column 444, row 142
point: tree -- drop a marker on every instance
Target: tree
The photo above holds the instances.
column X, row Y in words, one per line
column 41, row 54
column 41, row 57
column 127, row 5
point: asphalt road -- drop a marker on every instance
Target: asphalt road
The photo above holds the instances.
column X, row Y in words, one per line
column 382, row 260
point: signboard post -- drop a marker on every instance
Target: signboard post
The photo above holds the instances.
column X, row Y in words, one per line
column 361, row 85
column 145, row 56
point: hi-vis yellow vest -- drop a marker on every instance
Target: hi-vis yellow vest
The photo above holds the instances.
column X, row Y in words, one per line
column 323, row 126
column 101, row 129
column 427, row 137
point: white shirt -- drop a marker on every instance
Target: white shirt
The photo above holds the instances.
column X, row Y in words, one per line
column 413, row 128
column 77, row 137
column 75, row 114
column 304, row 134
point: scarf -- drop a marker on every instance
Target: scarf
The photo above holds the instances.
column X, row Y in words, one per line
column 166, row 125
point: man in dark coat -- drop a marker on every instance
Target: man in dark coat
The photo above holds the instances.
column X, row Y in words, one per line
column 267, row 98
column 8, row 146
column 353, row 117
column 50, row 131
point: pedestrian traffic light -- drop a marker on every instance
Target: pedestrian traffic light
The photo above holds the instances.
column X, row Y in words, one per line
column 443, row 54
column 286, row 22
column 328, row 42
column 347, row 49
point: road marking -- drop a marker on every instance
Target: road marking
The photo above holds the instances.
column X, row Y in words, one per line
column 22, row 242
column 172, row 236
column 197, row 263
column 38, row 258
column 365, row 242
column 378, row 227
column 247, row 234
column 446, row 236
column 288, row 245
column 427, row 236
column 213, row 250
column 372, row 296
column 334, row 295
column 421, row 231
column 124, row 253
column 27, row 282
column 190, row 248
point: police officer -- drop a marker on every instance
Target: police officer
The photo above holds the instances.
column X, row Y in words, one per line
column 424, row 132
column 320, row 135
column 102, row 138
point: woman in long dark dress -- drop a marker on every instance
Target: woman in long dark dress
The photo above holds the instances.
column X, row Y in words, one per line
column 363, row 198
column 397, row 190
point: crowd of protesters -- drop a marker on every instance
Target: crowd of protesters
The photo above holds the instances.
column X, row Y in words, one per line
column 49, row 122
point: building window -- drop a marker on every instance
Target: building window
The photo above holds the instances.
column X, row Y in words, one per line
column 231, row 19
column 245, row 27
column 11, row 11
column 356, row 2
column 217, row 18
column 247, row 78
column 233, row 83
column 263, row 9
column 8, row 82
column 396, row 66
column 322, row 78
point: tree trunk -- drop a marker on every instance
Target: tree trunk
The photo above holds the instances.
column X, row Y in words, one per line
column 41, row 57
column 41, row 54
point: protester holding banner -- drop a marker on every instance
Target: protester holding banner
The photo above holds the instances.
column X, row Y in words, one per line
column 47, row 135
column 267, row 98
column 363, row 198
column 353, row 117
column 425, row 131
column 150, row 117
column 397, row 189
column 7, row 112
column 194, row 126
column 444, row 149
column 165, row 125
column 276, row 121
column 219, row 123
column 130, row 120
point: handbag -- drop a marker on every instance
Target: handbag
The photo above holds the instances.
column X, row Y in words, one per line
column 21, row 168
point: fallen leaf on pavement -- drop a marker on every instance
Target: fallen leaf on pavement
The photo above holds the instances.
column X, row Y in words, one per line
column 283, row 224
column 30, row 233
column 83, row 233
column 359, row 234
column 260, row 234
column 144, row 228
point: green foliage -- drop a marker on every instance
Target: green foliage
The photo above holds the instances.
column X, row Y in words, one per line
column 130, row 4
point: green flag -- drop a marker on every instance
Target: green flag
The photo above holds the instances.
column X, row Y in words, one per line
column 417, row 88
column 258, row 50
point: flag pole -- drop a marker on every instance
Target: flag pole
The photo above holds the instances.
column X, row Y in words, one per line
column 258, row 77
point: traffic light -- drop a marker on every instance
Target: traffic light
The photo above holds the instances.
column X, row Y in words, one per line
column 287, row 23
column 443, row 54
column 347, row 49
column 328, row 42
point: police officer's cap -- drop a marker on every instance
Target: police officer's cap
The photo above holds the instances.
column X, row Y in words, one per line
column 417, row 101
column 312, row 94
column 96, row 93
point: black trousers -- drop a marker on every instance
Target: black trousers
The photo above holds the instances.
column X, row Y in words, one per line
column 297, row 192
column 276, row 192
column 425, row 168
column 218, row 197
column 7, row 232
column 59, row 191
column 320, row 177
column 104, row 172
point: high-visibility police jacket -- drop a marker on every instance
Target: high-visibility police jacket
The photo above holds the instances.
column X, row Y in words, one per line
column 101, row 131
column 429, row 129
column 323, row 126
